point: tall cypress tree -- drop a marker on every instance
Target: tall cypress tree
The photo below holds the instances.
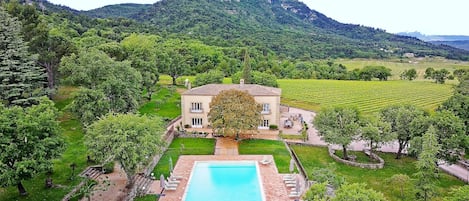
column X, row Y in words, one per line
column 21, row 80
column 247, row 68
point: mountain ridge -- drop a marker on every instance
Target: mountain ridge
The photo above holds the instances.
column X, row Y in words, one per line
column 287, row 27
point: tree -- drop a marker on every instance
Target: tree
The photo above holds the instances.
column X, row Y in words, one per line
column 173, row 64
column 380, row 72
column 426, row 165
column 459, row 194
column 247, row 68
column 317, row 192
column 338, row 126
column 327, row 175
column 140, row 51
column 21, row 81
column 429, row 73
column 450, row 135
column 116, row 85
column 357, row 192
column 401, row 181
column 233, row 111
column 29, row 140
column 400, row 118
column 88, row 105
column 210, row 77
column 377, row 132
column 409, row 74
column 440, row 76
column 458, row 104
column 126, row 138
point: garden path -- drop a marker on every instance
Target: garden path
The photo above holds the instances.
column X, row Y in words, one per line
column 226, row 146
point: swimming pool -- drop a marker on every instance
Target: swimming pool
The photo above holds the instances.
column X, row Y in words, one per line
column 224, row 180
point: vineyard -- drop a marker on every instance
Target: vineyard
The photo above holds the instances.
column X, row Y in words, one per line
column 399, row 65
column 368, row 97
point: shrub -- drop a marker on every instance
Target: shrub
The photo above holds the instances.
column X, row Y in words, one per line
column 273, row 127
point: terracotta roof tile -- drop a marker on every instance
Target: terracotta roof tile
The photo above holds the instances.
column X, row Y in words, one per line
column 215, row 89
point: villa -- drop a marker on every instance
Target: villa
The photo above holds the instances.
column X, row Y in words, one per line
column 195, row 103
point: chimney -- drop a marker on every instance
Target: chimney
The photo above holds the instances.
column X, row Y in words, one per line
column 189, row 85
column 241, row 82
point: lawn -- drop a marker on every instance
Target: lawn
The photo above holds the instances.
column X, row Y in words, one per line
column 317, row 157
column 368, row 96
column 183, row 146
column 165, row 102
column 268, row 147
column 399, row 65
column 74, row 153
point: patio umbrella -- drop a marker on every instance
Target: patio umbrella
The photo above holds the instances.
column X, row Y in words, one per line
column 162, row 181
column 292, row 166
column 297, row 186
column 170, row 164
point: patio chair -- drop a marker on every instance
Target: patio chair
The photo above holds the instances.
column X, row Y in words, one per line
column 265, row 161
column 288, row 178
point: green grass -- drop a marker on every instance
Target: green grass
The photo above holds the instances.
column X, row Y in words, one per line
column 146, row 198
column 75, row 153
column 192, row 146
column 166, row 102
column 268, row 147
column 317, row 157
column 398, row 66
column 369, row 97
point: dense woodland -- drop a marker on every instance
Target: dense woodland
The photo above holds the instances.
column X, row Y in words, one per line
column 113, row 60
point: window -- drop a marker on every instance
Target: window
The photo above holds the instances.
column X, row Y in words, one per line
column 196, row 107
column 265, row 108
column 264, row 124
column 196, row 122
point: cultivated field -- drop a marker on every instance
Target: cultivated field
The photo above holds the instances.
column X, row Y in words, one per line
column 399, row 65
column 368, row 96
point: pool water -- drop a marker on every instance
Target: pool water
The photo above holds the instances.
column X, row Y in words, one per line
column 224, row 180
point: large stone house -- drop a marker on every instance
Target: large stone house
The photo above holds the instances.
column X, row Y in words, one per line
column 195, row 103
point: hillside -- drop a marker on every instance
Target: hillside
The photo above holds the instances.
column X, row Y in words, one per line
column 115, row 11
column 287, row 27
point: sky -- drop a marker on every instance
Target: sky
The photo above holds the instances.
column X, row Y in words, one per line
column 430, row 17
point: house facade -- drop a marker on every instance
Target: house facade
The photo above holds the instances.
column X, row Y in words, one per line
column 195, row 103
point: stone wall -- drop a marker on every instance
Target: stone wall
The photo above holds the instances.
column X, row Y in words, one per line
column 379, row 165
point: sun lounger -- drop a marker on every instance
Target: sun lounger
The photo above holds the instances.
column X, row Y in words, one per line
column 288, row 178
column 290, row 181
column 170, row 181
column 290, row 185
column 170, row 184
column 294, row 195
column 265, row 161
column 170, row 188
column 173, row 176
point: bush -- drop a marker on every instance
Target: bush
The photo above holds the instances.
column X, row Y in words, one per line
column 273, row 127
column 108, row 167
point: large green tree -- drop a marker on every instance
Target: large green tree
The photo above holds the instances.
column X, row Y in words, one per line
column 22, row 82
column 377, row 132
column 233, row 111
column 141, row 51
column 128, row 139
column 29, row 140
column 427, row 170
column 400, row 118
column 116, row 84
column 210, row 77
column 338, row 125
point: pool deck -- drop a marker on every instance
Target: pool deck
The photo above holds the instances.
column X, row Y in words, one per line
column 273, row 185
